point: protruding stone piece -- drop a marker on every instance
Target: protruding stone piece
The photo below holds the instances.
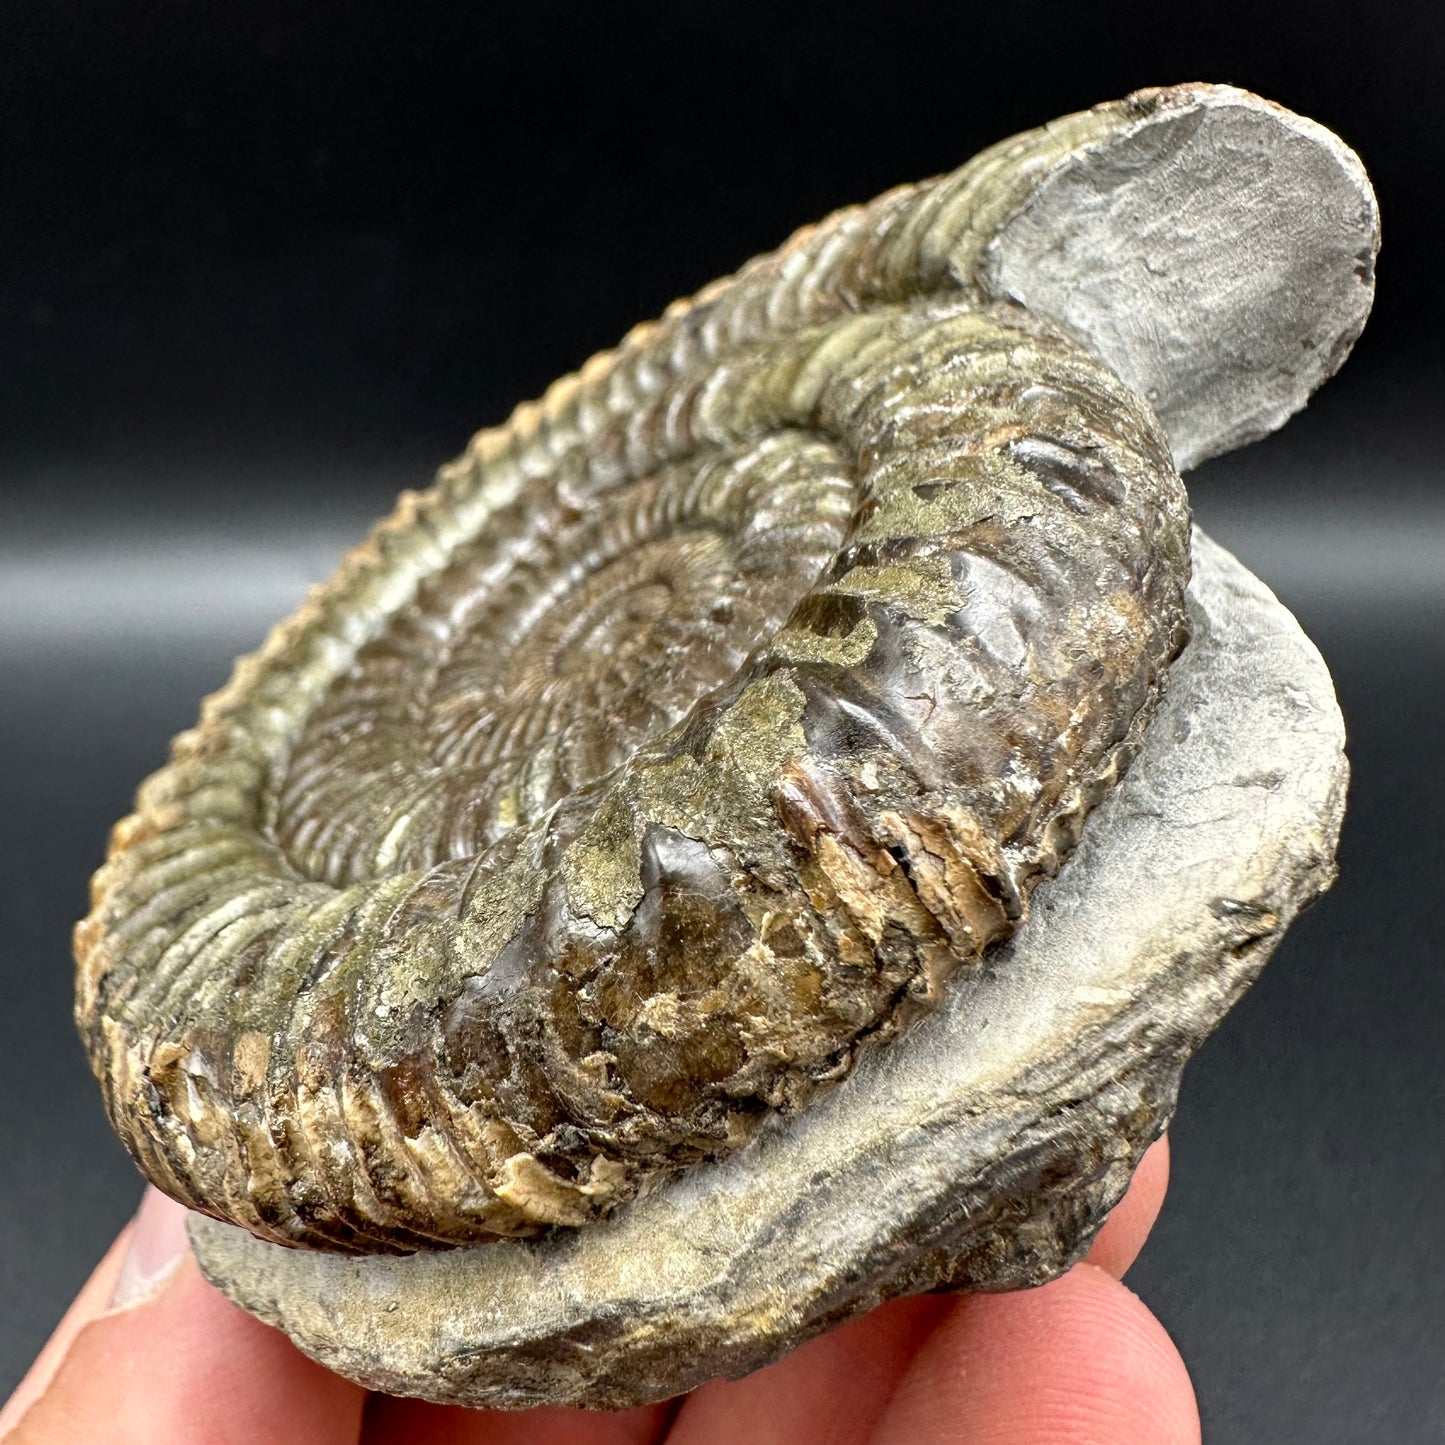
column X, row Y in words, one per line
column 1218, row 251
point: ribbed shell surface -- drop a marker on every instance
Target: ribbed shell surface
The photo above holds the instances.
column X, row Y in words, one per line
column 684, row 738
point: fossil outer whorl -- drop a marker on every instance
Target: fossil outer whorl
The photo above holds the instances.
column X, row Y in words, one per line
column 645, row 805
column 981, row 1150
column 687, row 734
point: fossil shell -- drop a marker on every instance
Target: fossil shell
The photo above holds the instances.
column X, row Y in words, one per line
column 701, row 723
column 979, row 1150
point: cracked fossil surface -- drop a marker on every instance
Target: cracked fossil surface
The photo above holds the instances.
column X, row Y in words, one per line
column 683, row 798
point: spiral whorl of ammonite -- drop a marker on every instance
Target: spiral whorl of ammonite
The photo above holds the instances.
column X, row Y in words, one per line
column 550, row 647
column 682, row 740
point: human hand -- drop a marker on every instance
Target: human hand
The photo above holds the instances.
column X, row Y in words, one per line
column 149, row 1351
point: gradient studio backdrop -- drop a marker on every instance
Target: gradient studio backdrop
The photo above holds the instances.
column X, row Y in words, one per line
column 262, row 266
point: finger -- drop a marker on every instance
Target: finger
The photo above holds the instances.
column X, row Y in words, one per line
column 411, row 1422
column 92, row 1300
column 1080, row 1360
column 833, row 1389
column 173, row 1359
column 1118, row 1243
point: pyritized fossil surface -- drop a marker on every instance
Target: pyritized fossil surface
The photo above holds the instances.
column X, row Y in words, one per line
column 708, row 726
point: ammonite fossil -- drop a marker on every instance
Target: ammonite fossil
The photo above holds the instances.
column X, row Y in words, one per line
column 710, row 723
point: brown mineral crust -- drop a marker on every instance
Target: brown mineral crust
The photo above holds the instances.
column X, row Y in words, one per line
column 687, row 735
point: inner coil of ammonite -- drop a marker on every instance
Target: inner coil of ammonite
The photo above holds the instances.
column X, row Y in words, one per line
column 682, row 741
column 550, row 647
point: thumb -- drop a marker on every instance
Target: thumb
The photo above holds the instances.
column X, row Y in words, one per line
column 151, row 1351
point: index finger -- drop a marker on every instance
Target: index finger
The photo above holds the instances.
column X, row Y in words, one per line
column 172, row 1358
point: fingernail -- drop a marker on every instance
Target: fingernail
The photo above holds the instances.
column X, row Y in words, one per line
column 157, row 1242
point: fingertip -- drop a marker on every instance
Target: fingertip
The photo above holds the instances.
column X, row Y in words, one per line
column 92, row 1301
column 183, row 1363
column 1117, row 1245
column 157, row 1245
column 1081, row 1359
column 833, row 1389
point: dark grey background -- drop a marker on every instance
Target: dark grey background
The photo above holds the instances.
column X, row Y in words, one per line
column 263, row 266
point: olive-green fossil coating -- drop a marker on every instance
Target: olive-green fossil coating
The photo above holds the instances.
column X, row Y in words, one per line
column 686, row 736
